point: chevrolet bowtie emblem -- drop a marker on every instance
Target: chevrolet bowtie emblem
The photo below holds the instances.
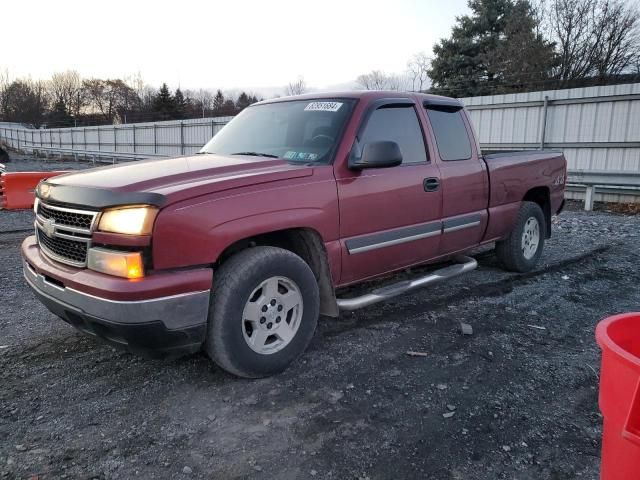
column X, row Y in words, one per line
column 49, row 227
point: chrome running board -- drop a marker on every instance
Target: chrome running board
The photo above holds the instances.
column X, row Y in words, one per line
column 464, row 264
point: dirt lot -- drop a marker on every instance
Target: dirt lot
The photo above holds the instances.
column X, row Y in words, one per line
column 519, row 394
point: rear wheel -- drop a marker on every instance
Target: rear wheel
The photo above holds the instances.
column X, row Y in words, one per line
column 264, row 312
column 521, row 250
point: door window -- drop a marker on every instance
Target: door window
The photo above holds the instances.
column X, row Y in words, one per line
column 397, row 124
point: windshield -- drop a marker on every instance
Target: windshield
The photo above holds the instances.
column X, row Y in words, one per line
column 305, row 131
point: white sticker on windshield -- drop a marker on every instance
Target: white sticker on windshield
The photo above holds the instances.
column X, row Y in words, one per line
column 323, row 106
column 290, row 155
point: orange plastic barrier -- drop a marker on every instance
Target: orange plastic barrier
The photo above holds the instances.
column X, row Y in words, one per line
column 16, row 188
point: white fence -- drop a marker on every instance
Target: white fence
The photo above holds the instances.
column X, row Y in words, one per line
column 176, row 137
column 597, row 128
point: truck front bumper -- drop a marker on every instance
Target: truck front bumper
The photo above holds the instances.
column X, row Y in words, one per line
column 157, row 316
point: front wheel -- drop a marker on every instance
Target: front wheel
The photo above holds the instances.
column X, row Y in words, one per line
column 521, row 250
column 264, row 312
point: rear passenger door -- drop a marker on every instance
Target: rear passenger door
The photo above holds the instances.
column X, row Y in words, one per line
column 388, row 219
column 464, row 180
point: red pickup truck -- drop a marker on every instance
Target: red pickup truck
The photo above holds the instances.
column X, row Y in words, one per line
column 239, row 248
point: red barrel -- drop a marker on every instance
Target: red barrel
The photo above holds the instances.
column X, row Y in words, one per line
column 619, row 339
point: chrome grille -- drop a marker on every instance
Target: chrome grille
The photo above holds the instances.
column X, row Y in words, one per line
column 68, row 251
column 71, row 218
column 64, row 234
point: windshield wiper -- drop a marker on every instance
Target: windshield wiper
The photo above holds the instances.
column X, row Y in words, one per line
column 256, row 154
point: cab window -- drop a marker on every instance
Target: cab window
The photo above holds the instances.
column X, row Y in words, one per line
column 451, row 134
column 397, row 124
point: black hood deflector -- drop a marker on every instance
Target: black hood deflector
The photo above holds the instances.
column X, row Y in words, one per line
column 96, row 198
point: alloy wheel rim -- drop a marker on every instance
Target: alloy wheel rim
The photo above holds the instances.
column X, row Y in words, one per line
column 272, row 315
column 530, row 238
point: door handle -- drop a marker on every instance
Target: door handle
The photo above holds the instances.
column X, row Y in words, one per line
column 431, row 184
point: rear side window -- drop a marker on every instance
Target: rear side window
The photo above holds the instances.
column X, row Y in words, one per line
column 451, row 134
column 400, row 125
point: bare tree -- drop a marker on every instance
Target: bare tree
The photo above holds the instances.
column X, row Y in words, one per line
column 113, row 99
column 146, row 96
column 593, row 37
column 374, row 80
column 539, row 11
column 569, row 23
column 65, row 88
column 203, row 98
column 5, row 78
column 417, row 70
column 297, row 88
column 137, row 83
column 39, row 89
column 5, row 81
column 618, row 38
column 378, row 80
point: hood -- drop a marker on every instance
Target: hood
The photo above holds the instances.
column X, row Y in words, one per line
column 158, row 182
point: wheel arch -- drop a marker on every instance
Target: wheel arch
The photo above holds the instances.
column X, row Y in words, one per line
column 541, row 196
column 305, row 242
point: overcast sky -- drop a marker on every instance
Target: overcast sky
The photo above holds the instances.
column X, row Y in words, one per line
column 221, row 44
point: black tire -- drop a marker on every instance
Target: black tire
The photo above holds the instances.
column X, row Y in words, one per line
column 4, row 156
column 233, row 283
column 509, row 250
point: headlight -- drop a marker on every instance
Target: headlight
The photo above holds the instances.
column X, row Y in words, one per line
column 113, row 262
column 128, row 220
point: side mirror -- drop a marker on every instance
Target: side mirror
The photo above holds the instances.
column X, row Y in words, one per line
column 377, row 155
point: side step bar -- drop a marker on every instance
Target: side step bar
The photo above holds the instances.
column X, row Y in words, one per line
column 465, row 264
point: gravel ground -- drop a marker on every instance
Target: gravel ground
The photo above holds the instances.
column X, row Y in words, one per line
column 517, row 399
column 23, row 163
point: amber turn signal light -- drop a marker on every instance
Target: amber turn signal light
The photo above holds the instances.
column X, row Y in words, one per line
column 113, row 262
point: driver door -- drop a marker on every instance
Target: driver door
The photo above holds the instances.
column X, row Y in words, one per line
column 389, row 217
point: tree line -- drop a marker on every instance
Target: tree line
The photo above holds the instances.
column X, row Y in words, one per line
column 66, row 100
column 506, row 46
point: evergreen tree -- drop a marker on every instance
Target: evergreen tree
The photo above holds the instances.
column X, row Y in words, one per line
column 218, row 103
column 180, row 104
column 228, row 108
column 164, row 106
column 58, row 116
column 244, row 101
column 523, row 59
column 495, row 49
column 24, row 101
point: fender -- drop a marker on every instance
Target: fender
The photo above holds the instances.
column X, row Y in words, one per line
column 260, row 224
column 196, row 234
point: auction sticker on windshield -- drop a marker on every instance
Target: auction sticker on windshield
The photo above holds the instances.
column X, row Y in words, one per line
column 290, row 155
column 323, row 106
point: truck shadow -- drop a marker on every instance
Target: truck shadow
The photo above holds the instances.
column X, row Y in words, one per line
column 440, row 296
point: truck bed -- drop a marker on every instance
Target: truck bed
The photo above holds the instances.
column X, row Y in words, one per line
column 512, row 174
column 515, row 174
